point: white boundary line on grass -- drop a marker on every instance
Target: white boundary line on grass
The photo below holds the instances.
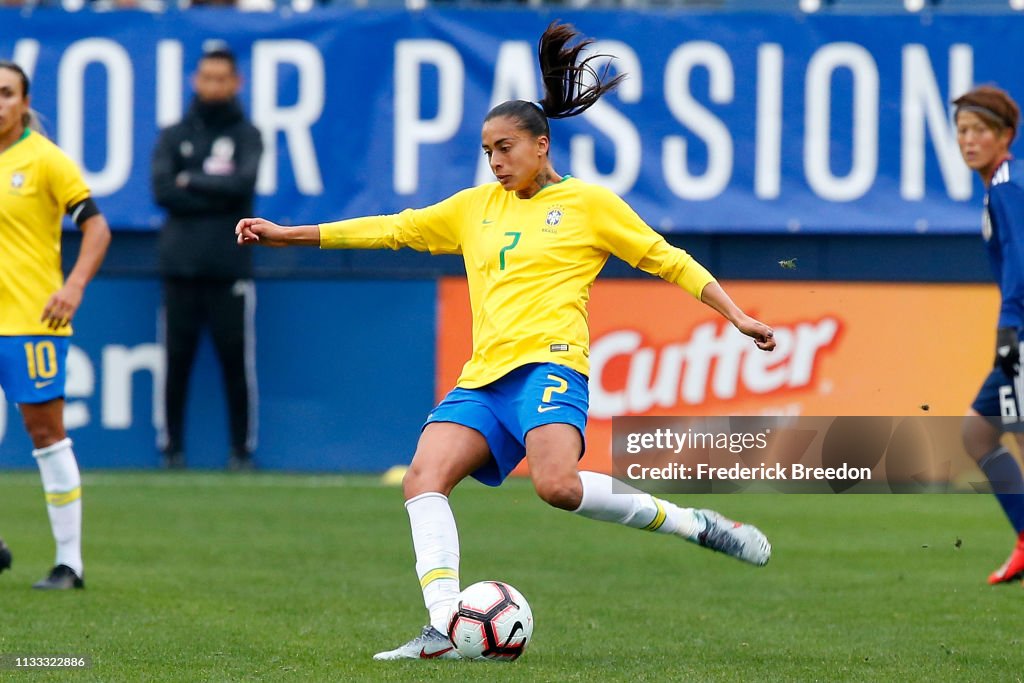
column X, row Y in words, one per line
column 211, row 480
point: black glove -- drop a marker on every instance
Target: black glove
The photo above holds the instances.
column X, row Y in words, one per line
column 1008, row 351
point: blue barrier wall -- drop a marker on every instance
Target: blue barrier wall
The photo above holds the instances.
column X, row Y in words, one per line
column 346, row 377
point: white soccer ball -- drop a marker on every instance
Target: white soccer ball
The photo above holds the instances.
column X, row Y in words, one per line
column 492, row 620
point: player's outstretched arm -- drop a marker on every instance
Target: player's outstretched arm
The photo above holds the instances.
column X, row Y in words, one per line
column 261, row 231
column 714, row 296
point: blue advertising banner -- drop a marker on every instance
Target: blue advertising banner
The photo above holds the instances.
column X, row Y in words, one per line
column 727, row 122
column 345, row 372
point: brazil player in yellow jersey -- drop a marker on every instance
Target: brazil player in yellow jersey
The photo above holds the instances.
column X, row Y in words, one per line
column 38, row 186
column 533, row 244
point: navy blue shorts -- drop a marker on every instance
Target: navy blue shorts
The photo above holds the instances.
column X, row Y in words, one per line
column 33, row 368
column 506, row 409
column 998, row 400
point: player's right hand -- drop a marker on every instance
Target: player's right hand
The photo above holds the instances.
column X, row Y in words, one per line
column 1008, row 351
column 259, row 231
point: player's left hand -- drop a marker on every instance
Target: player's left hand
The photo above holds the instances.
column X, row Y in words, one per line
column 763, row 336
column 61, row 307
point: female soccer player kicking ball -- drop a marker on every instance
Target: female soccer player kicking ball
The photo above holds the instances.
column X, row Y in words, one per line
column 533, row 243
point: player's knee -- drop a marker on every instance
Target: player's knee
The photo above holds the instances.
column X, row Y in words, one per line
column 419, row 479
column 564, row 493
column 43, row 434
column 412, row 482
column 978, row 436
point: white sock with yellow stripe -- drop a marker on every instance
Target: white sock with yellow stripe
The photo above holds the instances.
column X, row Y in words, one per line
column 634, row 508
column 435, row 540
column 63, row 486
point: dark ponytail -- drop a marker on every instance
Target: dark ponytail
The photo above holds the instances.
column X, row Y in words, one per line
column 565, row 93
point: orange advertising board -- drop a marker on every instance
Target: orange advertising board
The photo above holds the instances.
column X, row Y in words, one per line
column 843, row 349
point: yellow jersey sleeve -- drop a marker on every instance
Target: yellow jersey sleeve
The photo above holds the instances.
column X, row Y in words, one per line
column 620, row 231
column 436, row 228
column 675, row 265
column 65, row 181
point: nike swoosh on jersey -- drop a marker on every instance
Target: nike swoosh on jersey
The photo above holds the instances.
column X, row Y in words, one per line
column 487, row 221
column 40, row 385
column 544, row 409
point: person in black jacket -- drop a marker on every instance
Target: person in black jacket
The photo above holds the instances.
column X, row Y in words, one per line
column 204, row 174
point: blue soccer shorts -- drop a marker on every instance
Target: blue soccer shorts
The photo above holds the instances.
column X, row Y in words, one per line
column 998, row 401
column 506, row 409
column 33, row 368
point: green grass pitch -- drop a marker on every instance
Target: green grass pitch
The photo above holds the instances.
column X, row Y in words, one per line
column 211, row 577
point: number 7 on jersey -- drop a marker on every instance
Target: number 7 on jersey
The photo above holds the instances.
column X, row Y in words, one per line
column 508, row 247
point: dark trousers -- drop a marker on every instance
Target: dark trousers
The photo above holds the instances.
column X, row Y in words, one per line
column 227, row 310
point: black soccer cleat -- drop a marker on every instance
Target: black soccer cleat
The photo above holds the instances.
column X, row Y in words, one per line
column 6, row 559
column 240, row 462
column 174, row 460
column 61, row 578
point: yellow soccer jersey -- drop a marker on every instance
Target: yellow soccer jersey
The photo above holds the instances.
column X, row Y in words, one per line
column 530, row 264
column 38, row 183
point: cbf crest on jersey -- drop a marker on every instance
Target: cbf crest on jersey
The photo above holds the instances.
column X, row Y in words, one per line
column 553, row 218
column 17, row 180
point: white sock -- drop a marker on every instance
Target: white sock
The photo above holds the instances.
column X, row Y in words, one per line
column 63, row 487
column 435, row 540
column 634, row 508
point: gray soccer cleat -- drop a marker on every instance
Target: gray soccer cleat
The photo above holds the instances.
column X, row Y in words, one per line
column 742, row 541
column 61, row 578
column 430, row 644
